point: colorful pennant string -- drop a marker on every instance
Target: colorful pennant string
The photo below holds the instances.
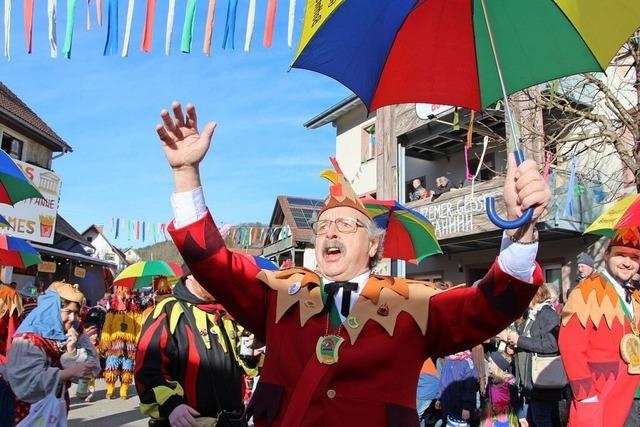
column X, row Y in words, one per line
column 270, row 23
column 147, row 32
column 292, row 18
column 230, row 26
column 111, row 46
column 52, row 6
column 28, row 22
column 208, row 32
column 170, row 16
column 187, row 29
column 99, row 12
column 68, row 35
column 251, row 22
column 88, row 15
column 127, row 30
column 117, row 232
column 7, row 28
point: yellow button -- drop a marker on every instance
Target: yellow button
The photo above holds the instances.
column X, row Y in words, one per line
column 331, row 394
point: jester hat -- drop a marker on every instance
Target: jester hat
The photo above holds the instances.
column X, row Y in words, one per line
column 626, row 237
column 341, row 193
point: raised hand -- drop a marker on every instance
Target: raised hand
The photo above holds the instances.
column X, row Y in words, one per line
column 184, row 146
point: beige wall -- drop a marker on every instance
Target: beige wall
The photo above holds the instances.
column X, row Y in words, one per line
column 32, row 152
column 349, row 129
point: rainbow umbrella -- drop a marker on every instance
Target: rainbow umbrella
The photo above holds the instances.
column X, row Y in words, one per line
column 409, row 235
column 141, row 274
column 17, row 252
column 466, row 53
column 14, row 185
column 625, row 213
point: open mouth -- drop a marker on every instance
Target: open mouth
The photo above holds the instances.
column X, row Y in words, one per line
column 333, row 251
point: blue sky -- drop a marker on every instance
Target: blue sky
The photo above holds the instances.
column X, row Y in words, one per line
column 106, row 109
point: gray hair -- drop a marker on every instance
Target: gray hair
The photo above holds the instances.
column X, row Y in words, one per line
column 375, row 233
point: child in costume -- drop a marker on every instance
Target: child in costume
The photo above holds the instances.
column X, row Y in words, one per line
column 458, row 388
column 500, row 409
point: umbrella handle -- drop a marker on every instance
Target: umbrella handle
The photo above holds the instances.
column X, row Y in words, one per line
column 503, row 223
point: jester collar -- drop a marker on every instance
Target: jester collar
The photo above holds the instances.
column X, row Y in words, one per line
column 381, row 299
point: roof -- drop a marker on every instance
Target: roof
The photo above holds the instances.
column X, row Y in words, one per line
column 297, row 213
column 27, row 121
column 334, row 112
column 72, row 255
column 117, row 251
column 66, row 230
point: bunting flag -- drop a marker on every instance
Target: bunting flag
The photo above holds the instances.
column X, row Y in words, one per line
column 52, row 10
column 187, row 29
column 88, row 15
column 68, row 35
column 111, row 46
column 251, row 22
column 117, row 227
column 112, row 225
column 127, row 29
column 147, row 32
column 7, row 28
column 99, row 12
column 270, row 23
column 568, row 210
column 208, row 32
column 230, row 26
column 137, row 230
column 170, row 15
column 143, row 230
column 292, row 18
column 28, row 22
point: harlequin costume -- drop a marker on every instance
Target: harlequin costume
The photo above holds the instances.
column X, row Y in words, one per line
column 594, row 321
column 10, row 312
column 118, row 341
column 392, row 327
column 187, row 346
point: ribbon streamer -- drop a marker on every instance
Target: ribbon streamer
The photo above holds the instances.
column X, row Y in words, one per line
column 117, row 227
column 187, row 29
column 147, row 32
column 111, row 46
column 292, row 18
column 99, row 12
column 170, row 14
column 52, row 7
column 88, row 15
column 7, row 28
column 230, row 26
column 28, row 23
column 270, row 23
column 208, row 32
column 68, row 36
column 568, row 210
column 127, row 30
column 251, row 21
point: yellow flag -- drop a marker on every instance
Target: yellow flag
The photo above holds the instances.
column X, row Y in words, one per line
column 315, row 15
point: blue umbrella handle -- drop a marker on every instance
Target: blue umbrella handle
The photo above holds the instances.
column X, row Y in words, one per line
column 503, row 223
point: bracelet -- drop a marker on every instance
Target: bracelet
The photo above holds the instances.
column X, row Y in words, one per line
column 532, row 242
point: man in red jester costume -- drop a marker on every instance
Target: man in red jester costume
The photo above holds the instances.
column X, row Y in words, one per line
column 346, row 346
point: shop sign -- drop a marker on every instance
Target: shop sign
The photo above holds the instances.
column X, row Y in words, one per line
column 34, row 219
column 431, row 111
column 79, row 272
column 47, row 267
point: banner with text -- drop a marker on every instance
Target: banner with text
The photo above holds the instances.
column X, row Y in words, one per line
column 35, row 219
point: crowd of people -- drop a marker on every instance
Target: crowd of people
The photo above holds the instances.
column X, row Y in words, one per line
column 419, row 192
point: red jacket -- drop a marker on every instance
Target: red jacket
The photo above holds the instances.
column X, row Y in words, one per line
column 375, row 380
column 593, row 323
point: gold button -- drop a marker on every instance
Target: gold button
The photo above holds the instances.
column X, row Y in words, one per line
column 331, row 394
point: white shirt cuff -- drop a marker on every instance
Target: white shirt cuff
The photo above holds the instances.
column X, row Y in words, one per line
column 188, row 207
column 592, row 399
column 518, row 260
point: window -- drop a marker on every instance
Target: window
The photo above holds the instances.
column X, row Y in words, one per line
column 109, row 256
column 368, row 145
column 12, row 146
column 553, row 278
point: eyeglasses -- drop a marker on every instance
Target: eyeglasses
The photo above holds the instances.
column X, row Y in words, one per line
column 68, row 312
column 344, row 225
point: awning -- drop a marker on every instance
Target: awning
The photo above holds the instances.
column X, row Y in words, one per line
column 72, row 255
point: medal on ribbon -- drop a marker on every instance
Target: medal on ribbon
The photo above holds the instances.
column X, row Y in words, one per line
column 327, row 349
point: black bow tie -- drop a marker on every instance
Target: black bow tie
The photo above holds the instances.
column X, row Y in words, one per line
column 347, row 287
column 628, row 291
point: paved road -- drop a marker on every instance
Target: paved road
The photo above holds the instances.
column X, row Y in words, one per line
column 106, row 413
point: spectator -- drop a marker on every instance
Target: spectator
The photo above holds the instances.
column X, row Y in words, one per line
column 428, row 391
column 538, row 334
column 443, row 185
column 49, row 349
column 585, row 267
column 502, row 403
column 419, row 192
column 458, row 387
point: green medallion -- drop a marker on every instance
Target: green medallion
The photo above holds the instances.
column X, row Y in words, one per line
column 327, row 349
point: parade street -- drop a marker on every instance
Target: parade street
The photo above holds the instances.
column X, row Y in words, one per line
column 103, row 412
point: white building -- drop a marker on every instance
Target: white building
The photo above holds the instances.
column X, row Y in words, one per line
column 131, row 256
column 104, row 250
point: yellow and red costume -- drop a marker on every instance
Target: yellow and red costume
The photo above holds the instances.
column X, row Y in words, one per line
column 10, row 311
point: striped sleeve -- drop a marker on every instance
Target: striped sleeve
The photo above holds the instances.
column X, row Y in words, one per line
column 159, row 394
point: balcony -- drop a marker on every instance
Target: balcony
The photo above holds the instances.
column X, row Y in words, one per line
column 461, row 222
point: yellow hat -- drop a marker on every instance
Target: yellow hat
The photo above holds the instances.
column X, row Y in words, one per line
column 341, row 193
column 626, row 237
column 67, row 291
